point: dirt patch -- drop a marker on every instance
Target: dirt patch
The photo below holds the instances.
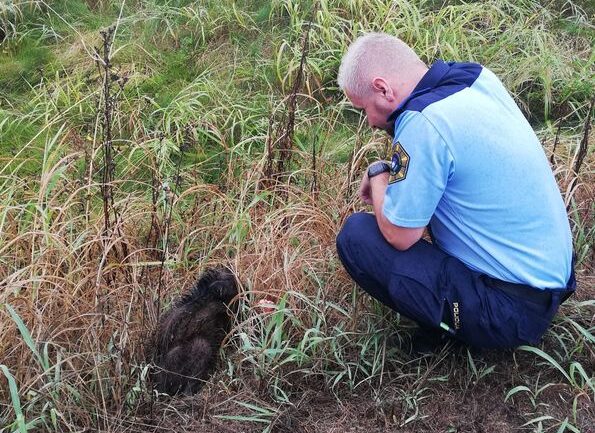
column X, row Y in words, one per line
column 319, row 412
column 450, row 400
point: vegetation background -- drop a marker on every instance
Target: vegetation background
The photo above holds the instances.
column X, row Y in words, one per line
column 144, row 140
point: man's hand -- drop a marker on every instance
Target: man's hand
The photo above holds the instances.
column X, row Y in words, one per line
column 368, row 188
column 365, row 190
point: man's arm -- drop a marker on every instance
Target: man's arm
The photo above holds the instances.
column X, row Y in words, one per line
column 399, row 237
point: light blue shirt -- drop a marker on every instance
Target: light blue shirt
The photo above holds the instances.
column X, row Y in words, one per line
column 467, row 161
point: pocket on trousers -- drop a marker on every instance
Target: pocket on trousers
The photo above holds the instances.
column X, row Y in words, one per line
column 492, row 322
column 415, row 300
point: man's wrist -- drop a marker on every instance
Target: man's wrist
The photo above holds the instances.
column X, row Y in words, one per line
column 378, row 168
column 380, row 179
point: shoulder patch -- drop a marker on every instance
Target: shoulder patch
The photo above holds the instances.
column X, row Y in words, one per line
column 399, row 164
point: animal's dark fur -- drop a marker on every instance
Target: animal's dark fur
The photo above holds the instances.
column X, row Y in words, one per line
column 188, row 337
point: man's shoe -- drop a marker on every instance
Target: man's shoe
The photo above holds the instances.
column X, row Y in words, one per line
column 427, row 340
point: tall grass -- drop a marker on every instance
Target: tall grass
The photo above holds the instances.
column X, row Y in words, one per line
column 198, row 87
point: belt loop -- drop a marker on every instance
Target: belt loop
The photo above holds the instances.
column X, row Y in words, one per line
column 431, row 233
column 571, row 284
column 554, row 303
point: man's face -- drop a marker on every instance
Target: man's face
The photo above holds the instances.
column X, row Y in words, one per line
column 376, row 107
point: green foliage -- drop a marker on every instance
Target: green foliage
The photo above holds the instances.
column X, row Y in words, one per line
column 21, row 65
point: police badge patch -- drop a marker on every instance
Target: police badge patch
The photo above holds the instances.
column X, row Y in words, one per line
column 399, row 164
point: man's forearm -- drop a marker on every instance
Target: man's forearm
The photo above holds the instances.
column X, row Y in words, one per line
column 378, row 186
column 399, row 237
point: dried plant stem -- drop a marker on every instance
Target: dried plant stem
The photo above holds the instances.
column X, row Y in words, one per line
column 279, row 143
column 112, row 236
column 584, row 145
column 268, row 171
column 169, row 203
column 286, row 140
column 580, row 155
column 556, row 141
column 314, row 188
column 108, row 158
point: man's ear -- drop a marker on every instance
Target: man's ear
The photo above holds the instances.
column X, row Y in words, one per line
column 381, row 86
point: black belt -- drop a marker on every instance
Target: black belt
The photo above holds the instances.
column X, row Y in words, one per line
column 523, row 291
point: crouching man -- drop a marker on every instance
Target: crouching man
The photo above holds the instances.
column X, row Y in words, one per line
column 466, row 164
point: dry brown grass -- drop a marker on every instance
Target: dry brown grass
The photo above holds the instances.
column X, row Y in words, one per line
column 328, row 359
column 76, row 292
column 93, row 308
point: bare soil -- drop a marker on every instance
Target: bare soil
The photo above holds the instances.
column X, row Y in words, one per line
column 451, row 399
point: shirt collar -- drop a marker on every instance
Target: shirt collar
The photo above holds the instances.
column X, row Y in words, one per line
column 430, row 80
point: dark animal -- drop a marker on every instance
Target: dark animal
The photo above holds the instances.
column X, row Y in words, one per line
column 188, row 337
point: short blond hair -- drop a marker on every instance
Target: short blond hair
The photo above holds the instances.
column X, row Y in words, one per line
column 374, row 54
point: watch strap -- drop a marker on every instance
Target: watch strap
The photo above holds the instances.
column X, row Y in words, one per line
column 377, row 168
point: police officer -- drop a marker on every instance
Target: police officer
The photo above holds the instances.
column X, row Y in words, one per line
column 466, row 164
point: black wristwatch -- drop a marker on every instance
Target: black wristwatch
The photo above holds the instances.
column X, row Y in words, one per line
column 377, row 168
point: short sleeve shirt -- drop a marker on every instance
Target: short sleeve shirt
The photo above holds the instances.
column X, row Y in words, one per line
column 467, row 162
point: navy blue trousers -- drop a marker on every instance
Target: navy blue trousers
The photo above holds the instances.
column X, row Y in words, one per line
column 428, row 286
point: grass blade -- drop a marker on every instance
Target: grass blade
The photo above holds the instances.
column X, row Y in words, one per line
column 548, row 358
column 26, row 336
column 16, row 401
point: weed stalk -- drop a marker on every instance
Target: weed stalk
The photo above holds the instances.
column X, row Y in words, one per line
column 282, row 138
column 286, row 141
column 108, row 159
column 169, row 202
column 582, row 150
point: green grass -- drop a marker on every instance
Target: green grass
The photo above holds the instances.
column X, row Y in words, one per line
column 199, row 88
column 21, row 65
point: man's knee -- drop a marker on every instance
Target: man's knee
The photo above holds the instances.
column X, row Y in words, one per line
column 359, row 251
column 355, row 230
